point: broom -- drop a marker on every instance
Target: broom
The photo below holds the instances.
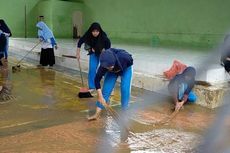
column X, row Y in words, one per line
column 119, row 120
column 167, row 119
column 202, row 83
column 69, row 56
column 17, row 66
column 84, row 92
column 128, row 130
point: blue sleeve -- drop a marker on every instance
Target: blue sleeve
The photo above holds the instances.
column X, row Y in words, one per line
column 42, row 38
column 53, row 42
column 81, row 41
column 100, row 73
column 6, row 48
column 5, row 53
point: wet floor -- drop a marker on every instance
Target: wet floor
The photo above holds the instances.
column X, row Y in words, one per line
column 44, row 114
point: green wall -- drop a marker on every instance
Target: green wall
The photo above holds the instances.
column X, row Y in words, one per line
column 58, row 16
column 62, row 13
column 179, row 22
column 13, row 12
column 153, row 22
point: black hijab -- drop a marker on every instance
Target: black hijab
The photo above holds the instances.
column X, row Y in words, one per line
column 4, row 27
column 97, row 43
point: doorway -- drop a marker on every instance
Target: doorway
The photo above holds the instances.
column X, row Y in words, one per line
column 77, row 24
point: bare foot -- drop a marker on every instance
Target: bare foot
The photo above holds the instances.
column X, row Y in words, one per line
column 93, row 117
column 96, row 115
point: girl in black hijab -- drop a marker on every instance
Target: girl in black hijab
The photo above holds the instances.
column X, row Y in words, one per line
column 5, row 33
column 96, row 41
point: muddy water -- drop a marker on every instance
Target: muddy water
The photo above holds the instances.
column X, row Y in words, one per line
column 47, row 116
column 36, row 101
column 182, row 134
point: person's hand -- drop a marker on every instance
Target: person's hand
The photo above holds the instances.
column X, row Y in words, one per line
column 6, row 34
column 78, row 55
column 179, row 105
column 56, row 47
column 93, row 50
column 102, row 101
column 40, row 40
column 101, row 98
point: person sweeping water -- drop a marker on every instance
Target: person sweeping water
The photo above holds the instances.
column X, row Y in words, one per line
column 114, row 63
column 48, row 44
column 181, row 87
column 5, row 33
column 2, row 48
column 96, row 41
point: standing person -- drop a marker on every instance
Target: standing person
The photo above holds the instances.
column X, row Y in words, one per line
column 181, row 87
column 48, row 44
column 225, row 53
column 5, row 33
column 41, row 18
column 225, row 49
column 2, row 48
column 113, row 63
column 95, row 40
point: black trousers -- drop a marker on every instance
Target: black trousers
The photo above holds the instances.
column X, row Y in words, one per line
column 47, row 57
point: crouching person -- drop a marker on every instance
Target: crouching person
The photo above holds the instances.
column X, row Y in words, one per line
column 180, row 87
column 113, row 63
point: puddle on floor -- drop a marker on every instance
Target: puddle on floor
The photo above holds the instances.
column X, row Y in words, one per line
column 47, row 116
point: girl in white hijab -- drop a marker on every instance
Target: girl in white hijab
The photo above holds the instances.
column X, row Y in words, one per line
column 48, row 44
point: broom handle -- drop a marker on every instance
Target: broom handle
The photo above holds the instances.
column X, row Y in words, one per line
column 69, row 56
column 29, row 52
column 79, row 64
column 116, row 117
column 168, row 119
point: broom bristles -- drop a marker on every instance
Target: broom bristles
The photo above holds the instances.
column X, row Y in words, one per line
column 15, row 68
column 117, row 118
column 167, row 119
column 84, row 95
